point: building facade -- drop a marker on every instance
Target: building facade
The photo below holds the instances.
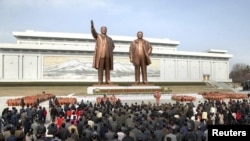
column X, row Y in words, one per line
column 47, row 56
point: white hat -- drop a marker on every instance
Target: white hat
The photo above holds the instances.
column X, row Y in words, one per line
column 176, row 116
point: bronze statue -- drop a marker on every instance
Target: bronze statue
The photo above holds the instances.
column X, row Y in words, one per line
column 103, row 55
column 139, row 52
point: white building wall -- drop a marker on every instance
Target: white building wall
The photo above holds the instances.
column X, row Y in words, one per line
column 11, row 66
column 27, row 60
column 30, row 67
column 206, row 67
column 1, row 65
column 182, row 70
column 195, row 70
column 220, row 69
column 169, row 71
column 26, row 66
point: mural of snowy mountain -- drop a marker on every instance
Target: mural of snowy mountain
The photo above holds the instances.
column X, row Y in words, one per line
column 74, row 69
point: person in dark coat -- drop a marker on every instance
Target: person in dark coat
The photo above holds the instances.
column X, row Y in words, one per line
column 12, row 136
column 110, row 134
column 114, row 125
column 190, row 135
column 83, row 137
column 19, row 133
column 158, row 133
column 143, row 136
column 63, row 133
column 115, row 138
column 14, row 118
column 128, row 137
column 199, row 134
column 27, row 125
column 41, row 129
column 53, row 113
column 52, row 129
column 22, row 102
column 103, row 130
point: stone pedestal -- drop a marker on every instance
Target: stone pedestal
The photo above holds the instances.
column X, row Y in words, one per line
column 134, row 89
column 141, row 84
column 104, row 85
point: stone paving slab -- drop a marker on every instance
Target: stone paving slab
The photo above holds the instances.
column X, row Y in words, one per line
column 128, row 98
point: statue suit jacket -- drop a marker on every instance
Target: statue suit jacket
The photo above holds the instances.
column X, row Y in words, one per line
column 99, row 49
column 133, row 54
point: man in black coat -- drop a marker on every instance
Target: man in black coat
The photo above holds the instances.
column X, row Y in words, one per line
column 63, row 133
column 128, row 137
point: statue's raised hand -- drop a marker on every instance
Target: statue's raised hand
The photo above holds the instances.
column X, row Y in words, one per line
column 92, row 23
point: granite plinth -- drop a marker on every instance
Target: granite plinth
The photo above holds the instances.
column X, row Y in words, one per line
column 142, row 84
column 105, row 85
column 134, row 89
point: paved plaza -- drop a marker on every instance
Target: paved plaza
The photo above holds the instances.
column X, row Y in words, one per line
column 126, row 98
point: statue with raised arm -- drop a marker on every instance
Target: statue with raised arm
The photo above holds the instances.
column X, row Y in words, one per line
column 139, row 52
column 103, row 54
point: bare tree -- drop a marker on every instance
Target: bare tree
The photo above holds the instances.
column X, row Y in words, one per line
column 240, row 72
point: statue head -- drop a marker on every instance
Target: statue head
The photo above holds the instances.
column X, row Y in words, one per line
column 139, row 34
column 103, row 29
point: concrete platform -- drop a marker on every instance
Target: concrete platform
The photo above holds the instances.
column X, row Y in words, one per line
column 134, row 89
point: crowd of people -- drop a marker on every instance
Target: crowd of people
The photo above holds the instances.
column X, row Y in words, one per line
column 87, row 121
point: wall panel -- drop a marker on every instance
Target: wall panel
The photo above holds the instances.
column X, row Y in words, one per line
column 206, row 67
column 170, row 70
column 30, row 67
column 194, row 70
column 10, row 67
column 182, row 70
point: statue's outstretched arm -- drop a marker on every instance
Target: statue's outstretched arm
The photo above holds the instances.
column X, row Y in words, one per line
column 93, row 31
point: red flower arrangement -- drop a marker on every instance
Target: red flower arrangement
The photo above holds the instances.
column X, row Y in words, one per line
column 29, row 100
column 222, row 96
column 183, row 98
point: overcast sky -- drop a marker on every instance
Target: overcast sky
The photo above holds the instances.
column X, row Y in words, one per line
column 199, row 25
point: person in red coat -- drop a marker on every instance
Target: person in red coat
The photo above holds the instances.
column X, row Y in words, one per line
column 44, row 114
column 59, row 121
